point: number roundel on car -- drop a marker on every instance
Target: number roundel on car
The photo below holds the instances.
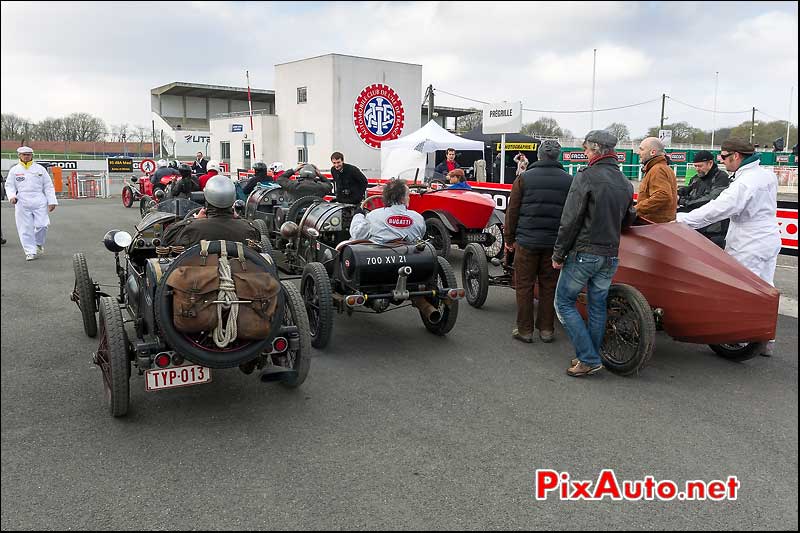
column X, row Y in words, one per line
column 378, row 115
column 399, row 221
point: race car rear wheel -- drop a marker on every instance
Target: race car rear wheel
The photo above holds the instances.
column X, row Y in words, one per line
column 740, row 351
column 475, row 275
column 300, row 359
column 445, row 278
column 112, row 357
column 439, row 236
column 630, row 335
column 496, row 249
column 127, row 196
column 266, row 246
column 299, row 206
column 84, row 288
column 318, row 300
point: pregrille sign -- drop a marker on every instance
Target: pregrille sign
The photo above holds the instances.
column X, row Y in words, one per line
column 378, row 115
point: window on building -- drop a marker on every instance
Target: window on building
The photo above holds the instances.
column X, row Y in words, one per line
column 302, row 96
column 225, row 152
column 302, row 155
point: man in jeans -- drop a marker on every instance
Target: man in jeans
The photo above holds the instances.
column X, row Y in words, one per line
column 598, row 206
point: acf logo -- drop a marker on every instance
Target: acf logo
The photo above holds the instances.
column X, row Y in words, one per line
column 378, row 115
column 399, row 221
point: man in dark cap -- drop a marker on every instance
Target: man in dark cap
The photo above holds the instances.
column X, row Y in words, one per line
column 598, row 206
column 532, row 219
column 751, row 203
column 707, row 184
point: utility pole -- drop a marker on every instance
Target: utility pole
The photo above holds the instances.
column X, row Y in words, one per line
column 663, row 100
column 752, row 124
column 788, row 119
column 594, row 70
column 430, row 102
column 714, row 115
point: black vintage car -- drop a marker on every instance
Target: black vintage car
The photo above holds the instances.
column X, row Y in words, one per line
column 137, row 326
column 312, row 240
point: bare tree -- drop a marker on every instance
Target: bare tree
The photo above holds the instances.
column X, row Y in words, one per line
column 469, row 122
column 50, row 129
column 544, row 127
column 83, row 127
column 14, row 127
column 620, row 131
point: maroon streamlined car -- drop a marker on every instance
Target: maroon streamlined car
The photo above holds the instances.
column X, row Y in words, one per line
column 672, row 278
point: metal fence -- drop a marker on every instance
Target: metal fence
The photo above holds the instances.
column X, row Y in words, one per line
column 88, row 185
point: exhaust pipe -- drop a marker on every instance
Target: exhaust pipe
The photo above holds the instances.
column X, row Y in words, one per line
column 431, row 313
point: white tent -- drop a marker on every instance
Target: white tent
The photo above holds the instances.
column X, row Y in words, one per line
column 410, row 151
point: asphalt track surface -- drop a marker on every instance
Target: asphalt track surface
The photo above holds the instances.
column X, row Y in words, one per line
column 394, row 428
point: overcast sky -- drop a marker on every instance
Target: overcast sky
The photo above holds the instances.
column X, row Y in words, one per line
column 104, row 57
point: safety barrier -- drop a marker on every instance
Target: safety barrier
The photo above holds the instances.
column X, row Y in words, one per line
column 84, row 185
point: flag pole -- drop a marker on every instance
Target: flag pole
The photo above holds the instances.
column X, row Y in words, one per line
column 250, row 105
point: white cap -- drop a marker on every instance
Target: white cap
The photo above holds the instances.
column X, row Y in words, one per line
column 24, row 150
column 213, row 165
column 277, row 165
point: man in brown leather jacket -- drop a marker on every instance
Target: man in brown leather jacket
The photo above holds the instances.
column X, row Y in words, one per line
column 658, row 192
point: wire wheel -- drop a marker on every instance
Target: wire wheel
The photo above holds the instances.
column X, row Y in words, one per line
column 439, row 236
column 300, row 359
column 112, row 358
column 475, row 275
column 495, row 250
column 127, row 196
column 318, row 300
column 630, row 331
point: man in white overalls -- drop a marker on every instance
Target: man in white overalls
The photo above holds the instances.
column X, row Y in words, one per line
column 31, row 191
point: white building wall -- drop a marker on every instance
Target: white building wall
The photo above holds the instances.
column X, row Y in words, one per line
column 263, row 139
column 316, row 115
column 353, row 74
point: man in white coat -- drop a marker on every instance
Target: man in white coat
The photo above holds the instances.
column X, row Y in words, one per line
column 751, row 202
column 31, row 191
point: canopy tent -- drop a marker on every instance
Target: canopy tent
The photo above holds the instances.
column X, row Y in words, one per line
column 410, row 151
column 515, row 142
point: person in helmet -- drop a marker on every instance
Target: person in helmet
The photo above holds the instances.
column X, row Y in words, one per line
column 214, row 222
column 261, row 176
column 309, row 182
column 186, row 184
column 277, row 170
column 164, row 170
column 213, row 169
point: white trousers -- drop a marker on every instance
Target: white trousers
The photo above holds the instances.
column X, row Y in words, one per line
column 32, row 227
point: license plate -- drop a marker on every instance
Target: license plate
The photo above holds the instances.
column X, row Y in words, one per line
column 180, row 376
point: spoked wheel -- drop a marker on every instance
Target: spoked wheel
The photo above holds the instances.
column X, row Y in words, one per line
column 740, row 351
column 475, row 275
column 127, row 196
column 437, row 233
column 145, row 204
column 495, row 250
column 112, row 357
column 630, row 331
column 318, row 300
column 299, row 359
column 266, row 247
column 85, row 293
column 445, row 278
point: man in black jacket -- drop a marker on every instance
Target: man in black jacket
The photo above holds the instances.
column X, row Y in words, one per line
column 309, row 182
column 532, row 219
column 599, row 205
column 350, row 182
column 709, row 183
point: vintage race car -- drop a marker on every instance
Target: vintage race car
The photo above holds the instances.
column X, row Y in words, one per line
column 452, row 216
column 137, row 325
column 670, row 277
column 340, row 275
column 141, row 190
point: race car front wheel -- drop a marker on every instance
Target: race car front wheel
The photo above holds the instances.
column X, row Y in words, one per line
column 439, row 236
column 84, row 290
column 127, row 197
column 475, row 275
column 318, row 300
column 112, row 357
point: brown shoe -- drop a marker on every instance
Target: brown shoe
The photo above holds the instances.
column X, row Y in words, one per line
column 520, row 337
column 574, row 361
column 547, row 336
column 582, row 369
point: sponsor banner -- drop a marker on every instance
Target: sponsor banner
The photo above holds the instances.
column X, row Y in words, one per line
column 580, row 156
column 120, row 164
column 782, row 158
column 378, row 115
column 66, row 165
column 502, row 117
column 531, row 147
column 677, row 157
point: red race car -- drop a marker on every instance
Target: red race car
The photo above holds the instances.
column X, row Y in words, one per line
column 452, row 216
column 670, row 277
column 141, row 190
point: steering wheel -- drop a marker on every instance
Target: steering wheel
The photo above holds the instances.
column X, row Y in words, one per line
column 369, row 203
column 437, row 184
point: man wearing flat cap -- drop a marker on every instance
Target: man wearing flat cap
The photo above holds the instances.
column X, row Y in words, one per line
column 598, row 206
column 751, row 203
column 30, row 189
column 707, row 184
column 658, row 192
column 533, row 216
